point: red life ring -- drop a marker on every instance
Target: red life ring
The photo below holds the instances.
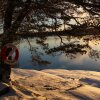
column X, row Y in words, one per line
column 13, row 50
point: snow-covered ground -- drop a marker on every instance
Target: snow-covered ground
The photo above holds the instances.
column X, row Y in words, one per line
column 55, row 84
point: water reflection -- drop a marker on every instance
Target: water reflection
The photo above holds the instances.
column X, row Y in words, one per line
column 68, row 52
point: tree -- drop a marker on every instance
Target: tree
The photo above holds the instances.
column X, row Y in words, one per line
column 9, row 28
column 36, row 13
column 43, row 15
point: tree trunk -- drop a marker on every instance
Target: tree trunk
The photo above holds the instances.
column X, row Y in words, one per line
column 8, row 15
column 9, row 30
column 55, row 24
column 5, row 68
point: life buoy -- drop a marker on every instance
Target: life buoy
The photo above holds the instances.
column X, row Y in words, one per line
column 7, row 53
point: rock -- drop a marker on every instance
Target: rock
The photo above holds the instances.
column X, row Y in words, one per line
column 4, row 88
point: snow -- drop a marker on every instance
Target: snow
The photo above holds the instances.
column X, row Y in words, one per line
column 54, row 84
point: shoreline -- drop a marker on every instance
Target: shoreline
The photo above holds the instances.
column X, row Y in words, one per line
column 73, row 32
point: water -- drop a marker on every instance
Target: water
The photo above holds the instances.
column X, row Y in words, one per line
column 65, row 52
